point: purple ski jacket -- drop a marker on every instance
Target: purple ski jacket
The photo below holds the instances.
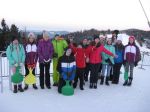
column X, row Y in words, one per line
column 45, row 50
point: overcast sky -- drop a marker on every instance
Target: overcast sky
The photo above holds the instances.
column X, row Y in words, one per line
column 74, row 15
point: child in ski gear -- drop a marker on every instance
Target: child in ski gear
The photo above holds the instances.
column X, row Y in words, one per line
column 102, row 39
column 95, row 59
column 102, row 42
column 119, row 50
column 59, row 45
column 107, row 62
column 66, row 68
column 31, row 56
column 132, row 56
column 85, row 46
column 16, row 56
column 114, row 37
column 45, row 52
column 80, row 57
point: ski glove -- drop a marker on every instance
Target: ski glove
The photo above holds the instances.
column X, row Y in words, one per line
column 55, row 55
column 124, row 62
column 109, row 61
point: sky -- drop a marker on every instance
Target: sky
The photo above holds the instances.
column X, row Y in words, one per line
column 73, row 15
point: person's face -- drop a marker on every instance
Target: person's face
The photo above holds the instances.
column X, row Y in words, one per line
column 46, row 38
column 88, row 42
column 85, row 41
column 102, row 38
column 113, row 35
column 71, row 39
column 31, row 39
column 15, row 42
column 56, row 37
column 79, row 46
column 131, row 41
column 68, row 52
column 109, row 42
column 96, row 40
column 119, row 41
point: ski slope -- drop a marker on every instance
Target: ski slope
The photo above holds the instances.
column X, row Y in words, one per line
column 113, row 98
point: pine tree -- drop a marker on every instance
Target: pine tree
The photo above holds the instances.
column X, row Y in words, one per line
column 4, row 35
column 5, row 28
column 14, row 30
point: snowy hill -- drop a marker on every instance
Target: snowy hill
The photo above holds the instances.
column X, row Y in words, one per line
column 51, row 33
column 115, row 98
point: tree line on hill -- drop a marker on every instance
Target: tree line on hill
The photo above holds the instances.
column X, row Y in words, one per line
column 7, row 32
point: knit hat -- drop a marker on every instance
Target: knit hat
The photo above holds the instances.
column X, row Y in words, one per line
column 132, row 37
column 45, row 34
column 96, row 37
column 31, row 34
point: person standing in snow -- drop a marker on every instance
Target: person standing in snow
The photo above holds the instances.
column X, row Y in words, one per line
column 85, row 46
column 119, row 50
column 114, row 40
column 80, row 57
column 45, row 53
column 16, row 56
column 132, row 56
column 102, row 42
column 107, row 62
column 31, row 56
column 95, row 59
column 59, row 45
column 66, row 67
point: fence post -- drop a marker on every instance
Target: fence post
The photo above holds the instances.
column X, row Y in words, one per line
column 1, row 76
column 8, row 71
column 10, row 83
column 143, row 54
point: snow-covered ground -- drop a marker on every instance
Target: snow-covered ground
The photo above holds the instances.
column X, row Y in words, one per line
column 113, row 98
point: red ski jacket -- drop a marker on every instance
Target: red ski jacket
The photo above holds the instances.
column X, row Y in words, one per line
column 95, row 55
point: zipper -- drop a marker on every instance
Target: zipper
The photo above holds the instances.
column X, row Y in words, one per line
column 130, row 53
column 68, row 65
column 17, row 53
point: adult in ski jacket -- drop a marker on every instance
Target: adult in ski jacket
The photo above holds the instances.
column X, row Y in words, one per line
column 16, row 56
column 59, row 45
column 132, row 56
column 31, row 56
column 45, row 53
